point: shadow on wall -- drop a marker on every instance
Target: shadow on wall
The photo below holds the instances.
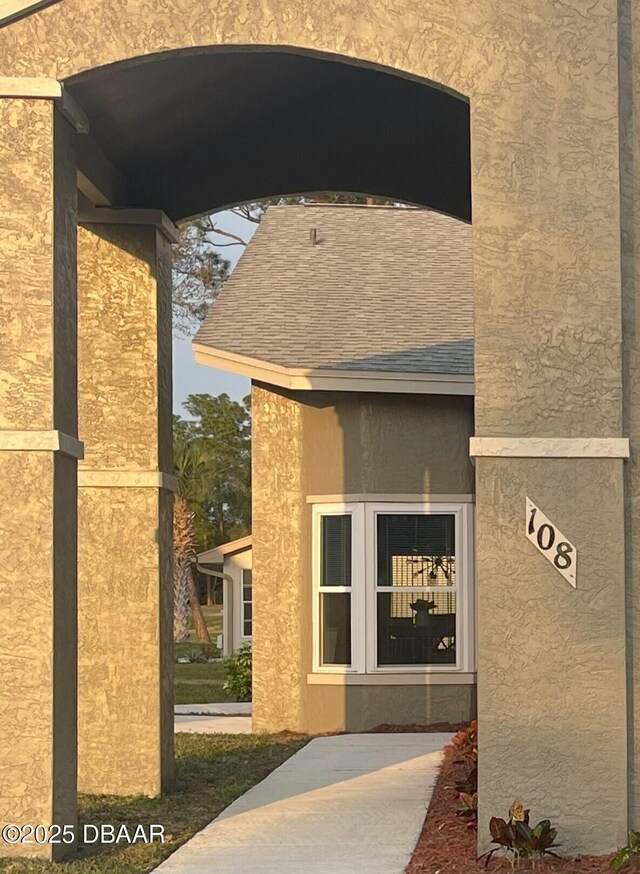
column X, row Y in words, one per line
column 391, row 444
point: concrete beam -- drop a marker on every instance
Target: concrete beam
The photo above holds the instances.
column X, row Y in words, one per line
column 98, row 178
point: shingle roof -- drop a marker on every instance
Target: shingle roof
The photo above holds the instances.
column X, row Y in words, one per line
column 382, row 289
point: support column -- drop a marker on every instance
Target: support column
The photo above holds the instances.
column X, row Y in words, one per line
column 629, row 35
column 552, row 700
column 38, row 465
column 125, row 613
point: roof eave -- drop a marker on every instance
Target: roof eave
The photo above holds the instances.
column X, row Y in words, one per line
column 319, row 379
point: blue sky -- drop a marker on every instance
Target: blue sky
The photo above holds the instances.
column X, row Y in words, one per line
column 191, row 378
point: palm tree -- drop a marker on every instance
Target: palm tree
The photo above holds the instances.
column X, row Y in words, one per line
column 193, row 468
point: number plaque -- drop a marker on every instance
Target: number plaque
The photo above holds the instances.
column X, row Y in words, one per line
column 551, row 542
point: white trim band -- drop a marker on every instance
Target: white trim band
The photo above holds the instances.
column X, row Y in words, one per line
column 399, row 679
column 89, row 214
column 549, row 447
column 333, row 379
column 41, row 441
column 391, row 499
column 30, row 86
column 127, row 479
column 40, row 88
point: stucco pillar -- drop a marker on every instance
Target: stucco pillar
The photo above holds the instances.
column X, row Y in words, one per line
column 630, row 238
column 38, row 469
column 279, row 561
column 125, row 663
column 552, row 700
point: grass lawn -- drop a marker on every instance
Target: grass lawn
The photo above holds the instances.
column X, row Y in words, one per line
column 212, row 771
column 200, row 683
column 200, row 692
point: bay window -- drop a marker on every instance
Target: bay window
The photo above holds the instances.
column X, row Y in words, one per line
column 392, row 587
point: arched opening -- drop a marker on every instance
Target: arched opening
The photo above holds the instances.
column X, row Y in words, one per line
column 191, row 131
column 547, row 288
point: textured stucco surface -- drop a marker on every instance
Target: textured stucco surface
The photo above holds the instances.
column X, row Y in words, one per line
column 118, row 348
column 551, row 364
column 279, row 605
column 551, row 659
column 357, row 442
column 336, row 443
column 37, row 600
column 630, row 244
column 542, row 80
column 125, row 575
column 26, row 193
column 361, row 708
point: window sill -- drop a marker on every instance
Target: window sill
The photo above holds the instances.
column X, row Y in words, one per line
column 388, row 679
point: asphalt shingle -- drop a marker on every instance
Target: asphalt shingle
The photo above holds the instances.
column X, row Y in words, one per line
column 382, row 289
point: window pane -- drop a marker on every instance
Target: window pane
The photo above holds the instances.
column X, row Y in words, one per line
column 335, row 622
column 336, row 551
column 416, row 549
column 247, row 620
column 416, row 628
column 247, row 596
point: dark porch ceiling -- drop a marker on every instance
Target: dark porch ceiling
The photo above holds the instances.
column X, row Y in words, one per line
column 194, row 132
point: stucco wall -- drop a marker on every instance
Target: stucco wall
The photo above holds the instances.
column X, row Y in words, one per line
column 630, row 255
column 125, row 532
column 542, row 80
column 544, row 641
column 345, row 443
column 38, row 522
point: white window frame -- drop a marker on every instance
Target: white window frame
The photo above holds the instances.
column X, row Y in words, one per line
column 465, row 646
column 356, row 590
column 243, row 571
column 364, row 637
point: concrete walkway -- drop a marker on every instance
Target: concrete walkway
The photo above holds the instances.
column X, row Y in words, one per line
column 228, row 708
column 352, row 804
column 223, row 718
column 213, row 724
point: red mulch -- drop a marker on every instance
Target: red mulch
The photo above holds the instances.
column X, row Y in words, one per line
column 449, row 727
column 448, row 846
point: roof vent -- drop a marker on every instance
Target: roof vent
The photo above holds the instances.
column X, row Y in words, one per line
column 313, row 236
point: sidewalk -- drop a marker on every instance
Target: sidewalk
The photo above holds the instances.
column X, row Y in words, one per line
column 227, row 718
column 342, row 805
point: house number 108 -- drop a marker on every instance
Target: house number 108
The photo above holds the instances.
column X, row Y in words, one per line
column 546, row 537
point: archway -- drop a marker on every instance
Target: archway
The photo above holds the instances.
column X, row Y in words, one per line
column 546, row 238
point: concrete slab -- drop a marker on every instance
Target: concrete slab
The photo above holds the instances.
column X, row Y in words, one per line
column 341, row 805
column 213, row 724
column 233, row 708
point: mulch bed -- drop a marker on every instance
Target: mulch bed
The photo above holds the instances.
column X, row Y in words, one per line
column 448, row 846
column 449, row 727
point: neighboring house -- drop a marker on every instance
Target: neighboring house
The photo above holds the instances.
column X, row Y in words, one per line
column 233, row 562
column 355, row 325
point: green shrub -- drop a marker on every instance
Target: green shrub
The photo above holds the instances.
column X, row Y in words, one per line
column 465, row 745
column 238, row 668
column 626, row 854
column 517, row 837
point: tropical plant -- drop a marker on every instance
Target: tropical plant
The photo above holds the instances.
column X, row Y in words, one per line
column 221, row 428
column 239, row 670
column 182, row 551
column 517, row 837
column 468, row 807
column 193, row 468
column 465, row 742
column 626, row 854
